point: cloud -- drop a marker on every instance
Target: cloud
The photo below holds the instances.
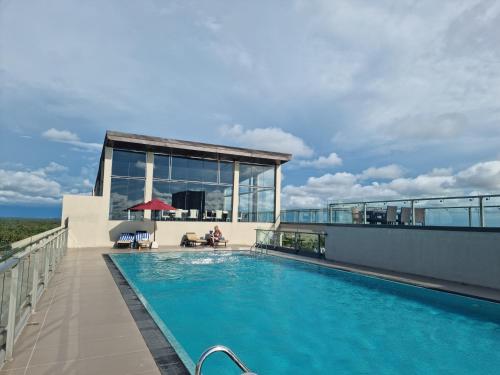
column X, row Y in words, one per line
column 27, row 187
column 331, row 160
column 386, row 172
column 54, row 167
column 480, row 178
column 65, row 136
column 46, row 185
column 272, row 139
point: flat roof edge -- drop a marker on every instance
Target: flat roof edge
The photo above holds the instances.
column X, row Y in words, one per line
column 114, row 136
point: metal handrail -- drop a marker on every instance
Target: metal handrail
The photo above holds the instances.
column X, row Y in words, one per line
column 35, row 257
column 333, row 203
column 228, row 352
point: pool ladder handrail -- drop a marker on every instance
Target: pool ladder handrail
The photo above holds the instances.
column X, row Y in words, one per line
column 228, row 352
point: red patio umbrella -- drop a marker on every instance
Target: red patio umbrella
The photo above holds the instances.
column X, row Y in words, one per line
column 154, row 205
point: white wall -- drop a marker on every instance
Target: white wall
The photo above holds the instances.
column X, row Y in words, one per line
column 89, row 226
column 466, row 256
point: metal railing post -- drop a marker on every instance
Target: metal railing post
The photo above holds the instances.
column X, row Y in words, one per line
column 47, row 265
column 364, row 213
column 319, row 245
column 34, row 288
column 412, row 212
column 469, row 209
column 481, row 211
column 11, row 322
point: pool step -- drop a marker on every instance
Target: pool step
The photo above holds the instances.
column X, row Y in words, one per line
column 229, row 353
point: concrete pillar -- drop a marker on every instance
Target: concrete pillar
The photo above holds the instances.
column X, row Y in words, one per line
column 236, row 192
column 148, row 187
column 106, row 179
column 277, row 195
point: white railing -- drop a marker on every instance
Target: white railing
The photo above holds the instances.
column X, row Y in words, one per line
column 25, row 270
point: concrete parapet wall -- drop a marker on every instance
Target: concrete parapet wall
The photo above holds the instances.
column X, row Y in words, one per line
column 89, row 226
column 465, row 256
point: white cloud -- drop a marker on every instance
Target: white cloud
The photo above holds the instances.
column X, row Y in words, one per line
column 331, row 160
column 54, row 167
column 60, row 135
column 65, row 136
column 271, row 139
column 390, row 171
column 479, row 178
column 27, row 187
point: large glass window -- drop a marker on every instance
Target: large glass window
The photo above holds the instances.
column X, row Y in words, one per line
column 199, row 189
column 226, row 172
column 256, row 198
column 194, row 169
column 196, row 201
column 129, row 163
column 161, row 166
column 127, row 184
column 256, row 175
column 126, row 193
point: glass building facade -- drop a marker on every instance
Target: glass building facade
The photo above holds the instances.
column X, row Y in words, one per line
column 128, row 178
column 256, row 194
column 198, row 188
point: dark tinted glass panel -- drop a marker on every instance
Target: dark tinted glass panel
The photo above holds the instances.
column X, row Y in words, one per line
column 226, row 172
column 161, row 166
column 194, row 169
column 129, row 164
column 207, row 199
column 210, row 171
column 165, row 191
column 245, row 174
column 180, row 168
column 124, row 194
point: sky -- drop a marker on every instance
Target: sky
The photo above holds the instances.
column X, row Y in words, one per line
column 374, row 99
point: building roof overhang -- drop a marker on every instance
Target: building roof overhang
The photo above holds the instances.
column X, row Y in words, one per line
column 188, row 148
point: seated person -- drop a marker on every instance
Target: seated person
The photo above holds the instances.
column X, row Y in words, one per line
column 217, row 234
column 214, row 236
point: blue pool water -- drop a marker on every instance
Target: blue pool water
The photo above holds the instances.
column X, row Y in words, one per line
column 288, row 317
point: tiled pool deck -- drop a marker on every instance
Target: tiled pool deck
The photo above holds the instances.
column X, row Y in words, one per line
column 84, row 326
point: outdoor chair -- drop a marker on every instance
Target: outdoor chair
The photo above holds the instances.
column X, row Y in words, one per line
column 125, row 240
column 419, row 216
column 220, row 242
column 142, row 239
column 192, row 239
column 391, row 215
column 193, row 214
column 405, row 216
column 178, row 215
column 218, row 215
column 166, row 215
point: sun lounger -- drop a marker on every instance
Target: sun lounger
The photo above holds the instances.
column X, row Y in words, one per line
column 191, row 239
column 125, row 240
column 142, row 239
column 221, row 241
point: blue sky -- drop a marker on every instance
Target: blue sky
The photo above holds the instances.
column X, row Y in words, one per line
column 374, row 99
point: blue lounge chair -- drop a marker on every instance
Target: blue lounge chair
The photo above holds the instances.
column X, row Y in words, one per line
column 142, row 239
column 125, row 239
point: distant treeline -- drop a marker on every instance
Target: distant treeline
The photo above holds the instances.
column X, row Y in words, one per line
column 15, row 229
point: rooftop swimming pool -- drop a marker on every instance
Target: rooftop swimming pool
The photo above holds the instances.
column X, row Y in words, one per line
column 282, row 316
